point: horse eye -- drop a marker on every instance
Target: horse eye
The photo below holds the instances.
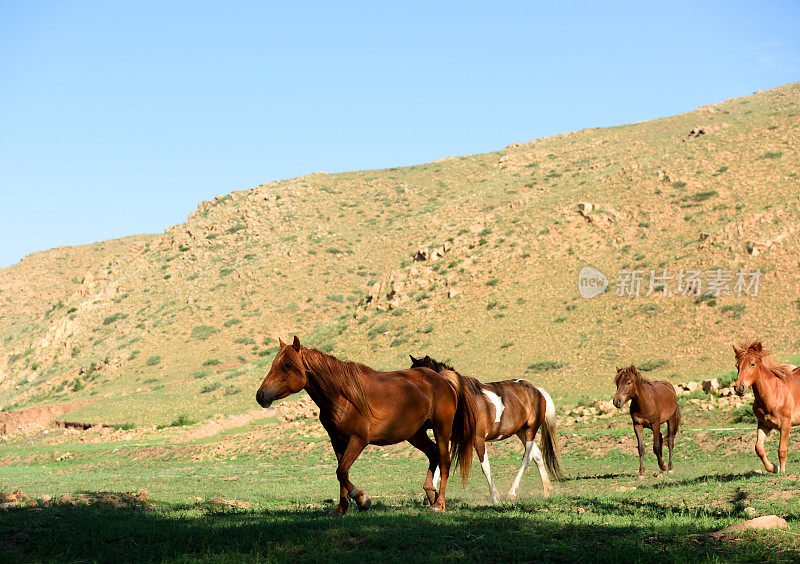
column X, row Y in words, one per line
column 752, row 364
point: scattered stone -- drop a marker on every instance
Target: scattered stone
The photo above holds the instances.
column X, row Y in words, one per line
column 604, row 406
column 756, row 248
column 696, row 132
column 219, row 503
column 750, row 511
column 710, row 385
column 762, row 523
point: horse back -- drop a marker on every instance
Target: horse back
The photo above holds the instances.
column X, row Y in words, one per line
column 403, row 401
column 520, row 404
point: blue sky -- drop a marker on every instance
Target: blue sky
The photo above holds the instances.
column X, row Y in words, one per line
column 119, row 118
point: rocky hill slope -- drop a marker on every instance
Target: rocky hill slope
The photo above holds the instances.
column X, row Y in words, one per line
column 474, row 259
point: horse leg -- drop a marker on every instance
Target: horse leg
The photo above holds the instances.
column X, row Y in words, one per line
column 761, row 434
column 658, row 446
column 539, row 460
column 672, row 429
column 422, row 442
column 442, row 435
column 483, row 456
column 639, row 430
column 346, row 489
column 532, row 452
column 783, row 445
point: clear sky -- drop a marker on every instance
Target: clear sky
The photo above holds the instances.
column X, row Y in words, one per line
column 118, row 118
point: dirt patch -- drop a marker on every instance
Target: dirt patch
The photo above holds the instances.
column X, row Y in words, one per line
column 221, row 423
column 20, row 420
column 18, row 498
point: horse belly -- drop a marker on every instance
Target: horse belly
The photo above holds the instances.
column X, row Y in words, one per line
column 398, row 422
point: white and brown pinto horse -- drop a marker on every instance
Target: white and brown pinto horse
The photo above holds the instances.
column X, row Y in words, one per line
column 504, row 409
column 776, row 387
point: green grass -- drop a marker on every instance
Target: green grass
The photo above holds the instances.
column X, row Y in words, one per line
column 203, row 332
column 650, row 365
column 114, row 318
column 601, row 514
column 544, row 365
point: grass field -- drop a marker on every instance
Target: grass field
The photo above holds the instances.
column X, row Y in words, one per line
column 264, row 491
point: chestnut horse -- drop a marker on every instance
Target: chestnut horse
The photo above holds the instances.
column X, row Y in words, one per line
column 776, row 387
column 360, row 406
column 652, row 404
column 510, row 407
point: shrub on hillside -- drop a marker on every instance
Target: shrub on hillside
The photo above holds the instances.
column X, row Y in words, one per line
column 203, row 332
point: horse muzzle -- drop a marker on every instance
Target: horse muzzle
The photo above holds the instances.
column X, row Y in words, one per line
column 739, row 389
column 264, row 398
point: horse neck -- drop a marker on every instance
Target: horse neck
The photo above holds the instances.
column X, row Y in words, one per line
column 319, row 393
column 644, row 393
column 331, row 391
column 765, row 386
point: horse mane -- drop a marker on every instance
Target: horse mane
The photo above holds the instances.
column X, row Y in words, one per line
column 473, row 385
column 630, row 371
column 754, row 348
column 338, row 377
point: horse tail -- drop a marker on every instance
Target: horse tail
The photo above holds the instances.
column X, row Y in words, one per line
column 552, row 459
column 462, row 437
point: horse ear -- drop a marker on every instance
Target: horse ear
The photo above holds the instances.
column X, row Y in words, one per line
column 736, row 351
column 412, row 358
column 619, row 369
column 281, row 343
column 296, row 343
column 757, row 347
column 427, row 358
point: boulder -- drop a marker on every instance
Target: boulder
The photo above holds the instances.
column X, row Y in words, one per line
column 763, row 522
column 422, row 254
column 710, row 385
column 604, row 406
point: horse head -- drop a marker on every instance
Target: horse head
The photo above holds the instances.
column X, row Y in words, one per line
column 426, row 362
column 287, row 374
column 749, row 365
column 626, row 385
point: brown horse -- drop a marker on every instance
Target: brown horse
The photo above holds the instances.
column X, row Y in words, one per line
column 652, row 404
column 511, row 407
column 776, row 387
column 360, row 406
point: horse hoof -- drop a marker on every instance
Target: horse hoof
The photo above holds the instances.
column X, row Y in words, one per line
column 670, row 471
column 338, row 511
column 512, row 496
column 366, row 504
column 641, row 477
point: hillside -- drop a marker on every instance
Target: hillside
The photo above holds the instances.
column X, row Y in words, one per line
column 473, row 259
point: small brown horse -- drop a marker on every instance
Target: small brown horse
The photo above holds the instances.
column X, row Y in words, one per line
column 510, row 407
column 360, row 406
column 776, row 387
column 652, row 404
